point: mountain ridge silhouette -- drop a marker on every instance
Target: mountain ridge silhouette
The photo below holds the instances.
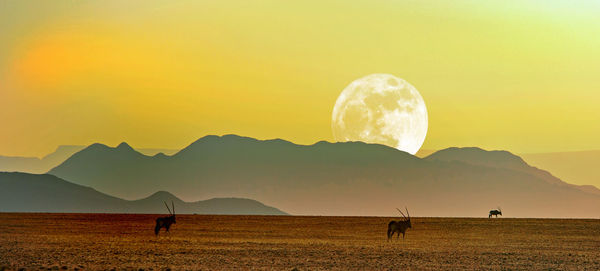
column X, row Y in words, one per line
column 502, row 159
column 343, row 178
column 24, row 192
column 38, row 165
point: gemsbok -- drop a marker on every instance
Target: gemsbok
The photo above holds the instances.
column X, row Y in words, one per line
column 399, row 226
column 495, row 212
column 165, row 221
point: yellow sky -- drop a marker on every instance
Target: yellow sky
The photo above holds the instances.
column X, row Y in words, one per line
column 498, row 75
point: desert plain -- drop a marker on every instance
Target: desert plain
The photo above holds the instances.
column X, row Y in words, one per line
column 32, row 241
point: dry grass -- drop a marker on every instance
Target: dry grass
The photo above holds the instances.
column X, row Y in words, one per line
column 106, row 241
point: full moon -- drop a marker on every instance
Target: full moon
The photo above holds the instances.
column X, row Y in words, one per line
column 382, row 109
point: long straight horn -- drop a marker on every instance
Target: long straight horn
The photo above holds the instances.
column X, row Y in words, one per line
column 407, row 212
column 401, row 213
column 173, row 204
column 167, row 207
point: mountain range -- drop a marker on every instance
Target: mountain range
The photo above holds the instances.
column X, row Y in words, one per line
column 574, row 167
column 350, row 178
column 503, row 159
column 577, row 167
column 37, row 165
column 24, row 192
column 44, row 164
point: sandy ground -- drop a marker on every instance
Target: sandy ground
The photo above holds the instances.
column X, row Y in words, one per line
column 107, row 241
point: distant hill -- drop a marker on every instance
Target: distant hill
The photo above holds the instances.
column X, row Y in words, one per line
column 43, row 165
column 422, row 153
column 22, row 192
column 350, row 178
column 501, row 159
column 37, row 165
column 155, row 151
column 578, row 167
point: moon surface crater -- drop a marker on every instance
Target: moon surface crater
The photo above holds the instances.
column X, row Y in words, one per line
column 382, row 109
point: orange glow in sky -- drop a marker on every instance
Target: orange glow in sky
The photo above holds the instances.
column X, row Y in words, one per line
column 510, row 75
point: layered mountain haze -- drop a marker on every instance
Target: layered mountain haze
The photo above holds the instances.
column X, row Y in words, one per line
column 37, row 165
column 228, row 164
column 350, row 178
column 579, row 167
column 42, row 165
column 575, row 167
column 22, row 192
column 502, row 159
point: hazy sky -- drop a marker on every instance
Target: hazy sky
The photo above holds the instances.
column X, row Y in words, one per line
column 516, row 75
